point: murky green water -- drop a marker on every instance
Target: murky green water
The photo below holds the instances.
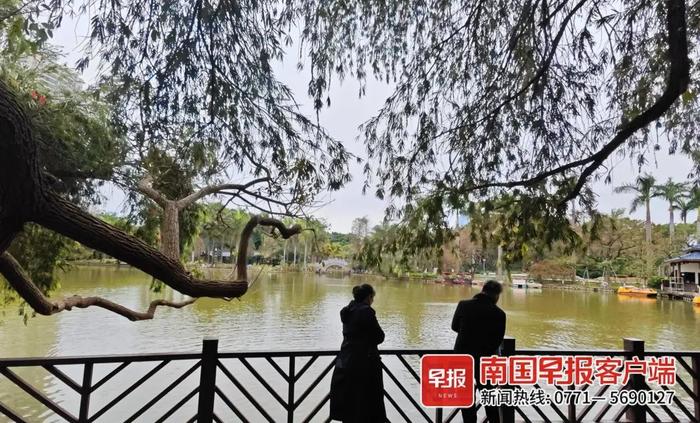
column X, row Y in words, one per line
column 285, row 311
column 300, row 312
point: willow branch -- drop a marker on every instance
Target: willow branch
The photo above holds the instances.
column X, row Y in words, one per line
column 213, row 189
column 269, row 210
column 262, row 197
column 25, row 287
column 541, row 72
column 677, row 83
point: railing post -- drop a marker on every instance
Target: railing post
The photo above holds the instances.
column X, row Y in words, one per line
column 438, row 415
column 635, row 348
column 207, row 380
column 695, row 363
column 290, row 392
column 85, row 391
column 572, row 406
column 507, row 349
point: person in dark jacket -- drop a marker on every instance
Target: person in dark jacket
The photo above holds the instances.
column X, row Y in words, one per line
column 480, row 325
column 357, row 388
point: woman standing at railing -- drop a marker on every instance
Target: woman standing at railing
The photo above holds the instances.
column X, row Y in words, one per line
column 357, row 389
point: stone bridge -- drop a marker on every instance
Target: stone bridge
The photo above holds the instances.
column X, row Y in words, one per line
column 334, row 264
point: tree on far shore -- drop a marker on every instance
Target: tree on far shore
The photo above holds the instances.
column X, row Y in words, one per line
column 671, row 192
column 644, row 187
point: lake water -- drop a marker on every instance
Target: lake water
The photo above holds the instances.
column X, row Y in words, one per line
column 300, row 312
column 285, row 311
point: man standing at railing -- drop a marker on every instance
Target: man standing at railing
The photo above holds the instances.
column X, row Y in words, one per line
column 480, row 325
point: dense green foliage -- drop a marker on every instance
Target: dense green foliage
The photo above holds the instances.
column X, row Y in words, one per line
column 505, row 108
column 71, row 125
column 186, row 82
column 209, row 109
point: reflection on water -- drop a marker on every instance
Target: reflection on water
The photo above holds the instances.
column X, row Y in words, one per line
column 286, row 311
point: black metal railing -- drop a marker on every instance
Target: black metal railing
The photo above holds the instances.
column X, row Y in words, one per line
column 215, row 386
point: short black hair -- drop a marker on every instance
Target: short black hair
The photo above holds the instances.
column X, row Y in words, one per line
column 492, row 287
column 362, row 292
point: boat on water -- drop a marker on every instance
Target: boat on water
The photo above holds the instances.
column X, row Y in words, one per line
column 455, row 279
column 696, row 300
column 636, row 292
column 525, row 284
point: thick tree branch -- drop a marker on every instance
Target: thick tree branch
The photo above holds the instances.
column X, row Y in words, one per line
column 213, row 189
column 144, row 187
column 677, row 84
column 25, row 287
column 64, row 217
column 25, row 197
column 255, row 220
column 67, row 219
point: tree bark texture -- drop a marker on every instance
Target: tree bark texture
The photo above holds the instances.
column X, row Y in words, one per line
column 170, row 231
column 170, row 224
column 21, row 185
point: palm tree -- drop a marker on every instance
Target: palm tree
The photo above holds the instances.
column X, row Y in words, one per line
column 671, row 192
column 644, row 190
column 694, row 203
column 684, row 206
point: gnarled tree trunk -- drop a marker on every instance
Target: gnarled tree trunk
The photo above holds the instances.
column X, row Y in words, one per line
column 26, row 197
column 170, row 231
column 170, row 223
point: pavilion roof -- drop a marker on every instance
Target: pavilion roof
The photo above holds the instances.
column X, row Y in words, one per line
column 690, row 256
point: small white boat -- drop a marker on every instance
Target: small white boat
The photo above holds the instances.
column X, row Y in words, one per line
column 525, row 284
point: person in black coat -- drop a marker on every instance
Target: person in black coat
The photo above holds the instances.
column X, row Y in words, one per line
column 480, row 325
column 357, row 388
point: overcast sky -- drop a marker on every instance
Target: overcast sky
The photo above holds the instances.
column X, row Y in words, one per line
column 348, row 111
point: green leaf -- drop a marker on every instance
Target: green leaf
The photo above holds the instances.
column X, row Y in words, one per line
column 688, row 96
